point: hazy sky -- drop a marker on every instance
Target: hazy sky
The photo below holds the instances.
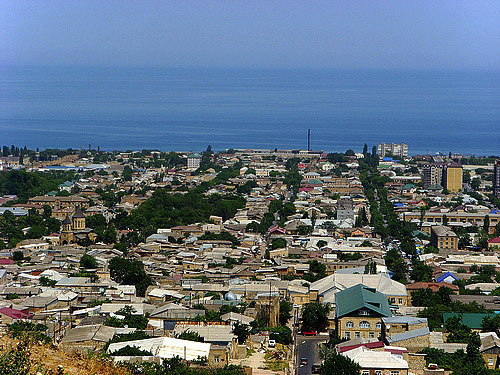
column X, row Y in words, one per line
column 421, row 34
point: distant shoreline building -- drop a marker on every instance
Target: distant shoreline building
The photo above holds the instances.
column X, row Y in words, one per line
column 393, row 149
column 193, row 161
column 496, row 179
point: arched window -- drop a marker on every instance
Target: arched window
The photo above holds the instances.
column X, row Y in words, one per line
column 378, row 325
column 349, row 325
column 364, row 324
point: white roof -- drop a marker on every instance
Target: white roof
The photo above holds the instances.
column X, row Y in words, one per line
column 329, row 285
column 167, row 347
column 51, row 274
column 375, row 359
column 160, row 293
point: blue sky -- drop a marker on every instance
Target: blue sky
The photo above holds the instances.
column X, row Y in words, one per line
column 353, row 34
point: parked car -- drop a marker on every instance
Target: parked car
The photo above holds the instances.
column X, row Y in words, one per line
column 309, row 333
column 303, row 362
column 272, row 343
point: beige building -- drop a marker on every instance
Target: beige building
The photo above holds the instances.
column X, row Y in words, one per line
column 443, row 238
column 452, row 178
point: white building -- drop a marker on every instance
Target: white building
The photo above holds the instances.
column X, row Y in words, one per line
column 193, row 161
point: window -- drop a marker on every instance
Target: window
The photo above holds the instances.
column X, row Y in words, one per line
column 372, row 335
column 364, row 324
column 378, row 325
column 364, row 312
column 349, row 325
column 378, row 372
column 400, row 301
column 347, row 335
column 392, row 300
column 395, row 372
column 357, row 335
column 365, row 372
column 490, row 361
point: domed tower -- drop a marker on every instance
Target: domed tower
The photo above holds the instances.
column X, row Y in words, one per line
column 78, row 219
column 67, row 231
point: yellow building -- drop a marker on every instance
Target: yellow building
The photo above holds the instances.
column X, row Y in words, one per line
column 454, row 217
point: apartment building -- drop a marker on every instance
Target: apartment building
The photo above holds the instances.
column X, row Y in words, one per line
column 395, row 149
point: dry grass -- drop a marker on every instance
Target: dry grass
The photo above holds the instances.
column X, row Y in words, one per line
column 50, row 359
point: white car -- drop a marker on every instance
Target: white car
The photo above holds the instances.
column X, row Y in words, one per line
column 272, row 343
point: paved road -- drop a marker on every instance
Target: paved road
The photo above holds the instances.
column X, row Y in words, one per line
column 308, row 348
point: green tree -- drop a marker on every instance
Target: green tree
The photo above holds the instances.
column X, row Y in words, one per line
column 88, row 262
column 45, row 281
column 421, row 271
column 286, row 308
column 321, row 243
column 127, row 173
column 315, row 316
column 371, row 268
column 131, row 351
column 281, row 334
column 490, row 323
column 337, row 364
column 486, row 223
column 17, row 256
column 278, row 243
column 242, row 331
column 130, row 272
column 189, row 335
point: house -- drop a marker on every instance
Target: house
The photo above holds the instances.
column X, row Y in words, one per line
column 8, row 315
column 375, row 362
column 324, row 289
column 447, row 277
column 89, row 337
column 494, row 244
column 167, row 347
column 414, row 339
column 358, row 312
column 163, row 295
column 490, row 349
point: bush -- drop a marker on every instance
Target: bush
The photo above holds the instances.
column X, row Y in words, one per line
column 131, row 351
column 281, row 334
column 29, row 331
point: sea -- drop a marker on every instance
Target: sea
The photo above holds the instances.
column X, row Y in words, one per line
column 135, row 108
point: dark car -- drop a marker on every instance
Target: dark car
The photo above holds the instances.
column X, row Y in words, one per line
column 315, row 368
column 303, row 362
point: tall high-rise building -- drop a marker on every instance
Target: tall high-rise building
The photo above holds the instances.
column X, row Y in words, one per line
column 452, row 177
column 496, row 179
column 394, row 149
column 448, row 175
column 433, row 174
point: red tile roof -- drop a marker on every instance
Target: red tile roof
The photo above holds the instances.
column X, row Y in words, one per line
column 494, row 240
column 14, row 314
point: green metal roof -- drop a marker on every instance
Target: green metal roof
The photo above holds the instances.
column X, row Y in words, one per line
column 471, row 320
column 358, row 297
column 408, row 187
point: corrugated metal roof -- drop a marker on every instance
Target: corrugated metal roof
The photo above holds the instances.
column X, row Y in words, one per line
column 408, row 335
column 358, row 297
